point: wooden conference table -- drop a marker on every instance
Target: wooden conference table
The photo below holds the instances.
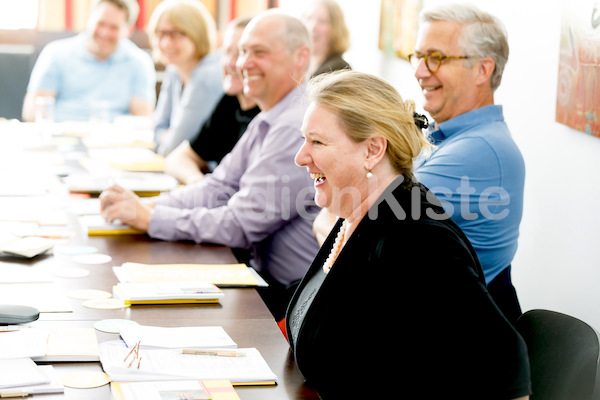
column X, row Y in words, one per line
column 241, row 312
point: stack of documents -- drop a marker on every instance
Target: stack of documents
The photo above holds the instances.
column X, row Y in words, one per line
column 27, row 247
column 222, row 275
column 95, row 225
column 249, row 368
column 133, row 159
column 71, row 345
column 20, row 377
column 55, row 345
column 141, row 183
column 33, row 211
column 203, row 353
column 167, row 292
column 121, row 136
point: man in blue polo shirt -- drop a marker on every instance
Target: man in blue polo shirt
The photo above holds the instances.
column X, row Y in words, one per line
column 477, row 170
column 98, row 66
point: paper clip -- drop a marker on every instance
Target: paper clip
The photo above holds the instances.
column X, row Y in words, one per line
column 135, row 352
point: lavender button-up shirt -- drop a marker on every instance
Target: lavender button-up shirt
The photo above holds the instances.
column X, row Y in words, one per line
column 256, row 198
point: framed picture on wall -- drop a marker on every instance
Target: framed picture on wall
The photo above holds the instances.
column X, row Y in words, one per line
column 398, row 26
column 578, row 89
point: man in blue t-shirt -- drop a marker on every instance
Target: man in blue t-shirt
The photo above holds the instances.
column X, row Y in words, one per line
column 477, row 170
column 99, row 69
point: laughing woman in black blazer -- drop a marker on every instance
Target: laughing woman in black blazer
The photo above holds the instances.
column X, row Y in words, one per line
column 395, row 304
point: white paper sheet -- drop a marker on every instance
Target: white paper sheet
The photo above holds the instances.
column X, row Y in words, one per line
column 178, row 337
column 19, row 372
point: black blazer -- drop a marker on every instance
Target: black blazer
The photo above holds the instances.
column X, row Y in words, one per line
column 332, row 63
column 405, row 310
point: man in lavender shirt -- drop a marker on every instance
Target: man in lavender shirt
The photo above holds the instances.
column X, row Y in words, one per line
column 257, row 198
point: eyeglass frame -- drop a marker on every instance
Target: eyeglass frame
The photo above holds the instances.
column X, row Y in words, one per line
column 426, row 57
column 173, row 35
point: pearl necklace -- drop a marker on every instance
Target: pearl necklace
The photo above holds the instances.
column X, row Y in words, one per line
column 335, row 249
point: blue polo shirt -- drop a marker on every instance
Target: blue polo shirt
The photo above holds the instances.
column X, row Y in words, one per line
column 478, row 173
column 80, row 79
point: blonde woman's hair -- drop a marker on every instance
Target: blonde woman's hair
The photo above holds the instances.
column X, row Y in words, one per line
column 190, row 17
column 367, row 105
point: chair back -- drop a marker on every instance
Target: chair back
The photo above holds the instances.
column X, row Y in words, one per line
column 563, row 355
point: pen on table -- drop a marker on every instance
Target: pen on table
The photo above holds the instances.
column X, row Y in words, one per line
column 220, row 353
column 13, row 393
column 12, row 328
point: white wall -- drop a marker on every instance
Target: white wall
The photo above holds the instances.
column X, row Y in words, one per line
column 557, row 265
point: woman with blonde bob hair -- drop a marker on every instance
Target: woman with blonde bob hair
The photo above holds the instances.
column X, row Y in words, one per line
column 392, row 255
column 183, row 35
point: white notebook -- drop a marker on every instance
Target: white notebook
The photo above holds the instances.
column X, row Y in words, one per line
column 167, row 292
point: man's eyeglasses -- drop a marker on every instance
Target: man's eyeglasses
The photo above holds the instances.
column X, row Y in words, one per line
column 173, row 35
column 432, row 60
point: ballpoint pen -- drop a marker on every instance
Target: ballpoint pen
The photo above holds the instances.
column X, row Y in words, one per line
column 12, row 328
column 13, row 393
column 220, row 353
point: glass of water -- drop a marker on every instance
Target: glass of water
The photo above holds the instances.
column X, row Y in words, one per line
column 44, row 109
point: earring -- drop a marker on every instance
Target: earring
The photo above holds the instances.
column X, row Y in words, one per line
column 369, row 175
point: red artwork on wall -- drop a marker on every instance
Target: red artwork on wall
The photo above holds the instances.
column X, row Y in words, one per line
column 578, row 92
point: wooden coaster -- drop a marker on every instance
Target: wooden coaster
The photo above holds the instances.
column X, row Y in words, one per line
column 113, row 325
column 85, row 379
